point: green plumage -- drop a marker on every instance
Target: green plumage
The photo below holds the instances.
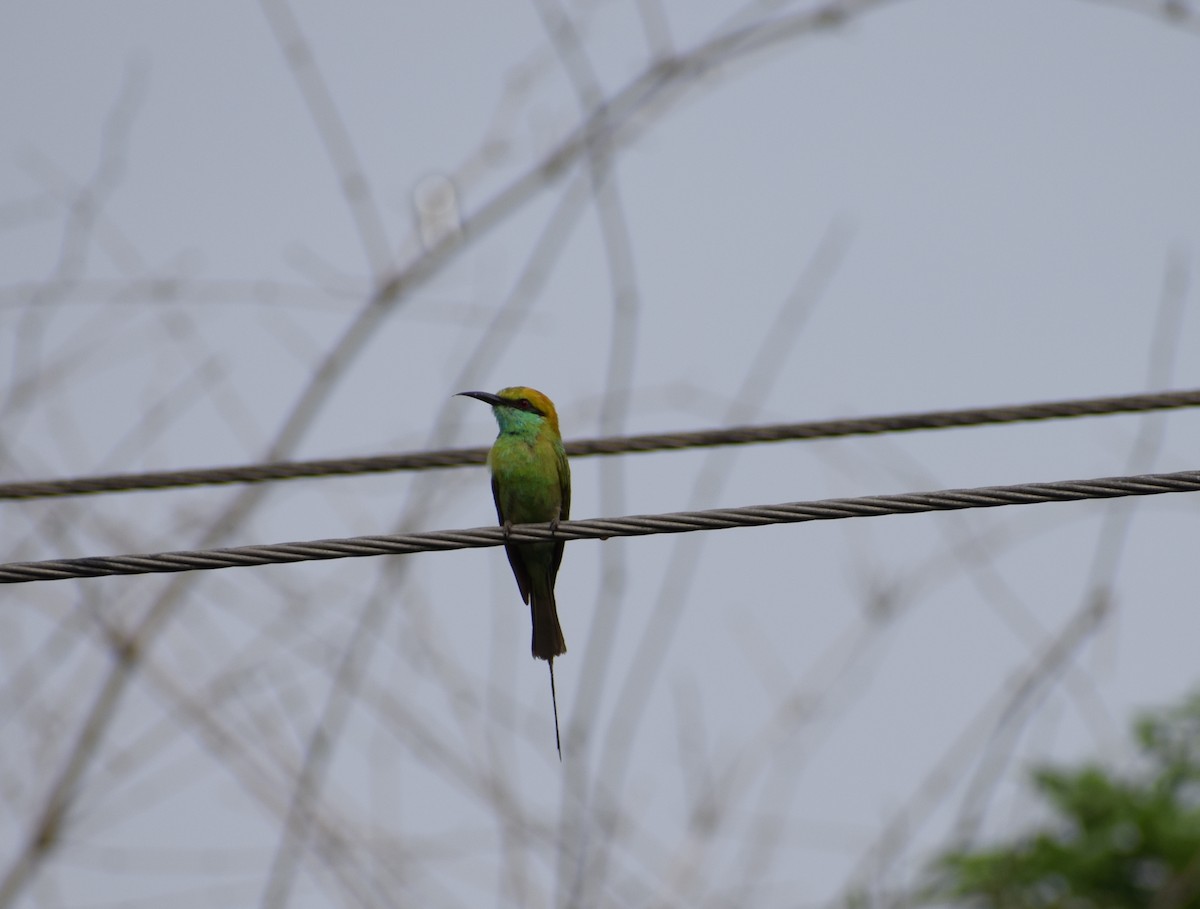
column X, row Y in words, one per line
column 531, row 483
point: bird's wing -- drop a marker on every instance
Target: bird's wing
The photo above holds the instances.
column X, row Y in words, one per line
column 514, row 556
column 564, row 508
column 496, row 499
column 564, row 486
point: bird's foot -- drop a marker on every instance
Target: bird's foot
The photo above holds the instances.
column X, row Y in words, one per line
column 507, row 530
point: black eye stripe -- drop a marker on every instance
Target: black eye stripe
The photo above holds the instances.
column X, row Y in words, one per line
column 527, row 405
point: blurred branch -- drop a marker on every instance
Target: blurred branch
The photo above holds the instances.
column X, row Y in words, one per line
column 617, row 394
column 766, row 364
column 1180, row 14
column 655, row 27
column 176, row 290
column 82, row 216
column 356, row 188
column 44, row 832
column 1097, row 599
column 348, row 677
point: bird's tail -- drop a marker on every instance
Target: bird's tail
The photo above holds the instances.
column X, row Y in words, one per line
column 548, row 639
column 554, row 701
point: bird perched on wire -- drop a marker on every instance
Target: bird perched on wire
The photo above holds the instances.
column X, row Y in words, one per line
column 531, row 483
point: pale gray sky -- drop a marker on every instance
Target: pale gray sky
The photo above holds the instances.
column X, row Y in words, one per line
column 1000, row 190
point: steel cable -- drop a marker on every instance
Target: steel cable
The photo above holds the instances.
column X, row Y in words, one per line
column 604, row 528
column 737, row 435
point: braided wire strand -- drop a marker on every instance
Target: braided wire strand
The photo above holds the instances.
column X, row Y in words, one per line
column 605, row 528
column 613, row 445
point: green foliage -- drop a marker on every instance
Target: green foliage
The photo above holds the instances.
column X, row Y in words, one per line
column 1113, row 840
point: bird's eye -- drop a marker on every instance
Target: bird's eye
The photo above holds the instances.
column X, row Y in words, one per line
column 524, row 404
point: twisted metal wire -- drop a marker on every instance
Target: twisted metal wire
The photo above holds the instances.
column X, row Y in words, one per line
column 737, row 435
column 604, row 528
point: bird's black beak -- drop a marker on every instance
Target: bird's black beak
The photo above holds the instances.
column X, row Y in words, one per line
column 485, row 397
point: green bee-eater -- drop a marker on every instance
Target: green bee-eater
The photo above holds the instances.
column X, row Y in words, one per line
column 531, row 484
